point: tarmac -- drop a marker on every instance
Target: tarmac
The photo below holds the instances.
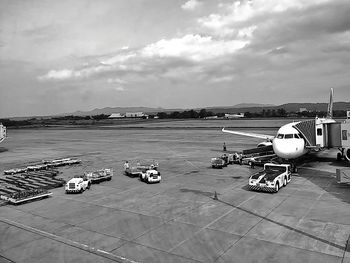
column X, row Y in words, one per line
column 178, row 220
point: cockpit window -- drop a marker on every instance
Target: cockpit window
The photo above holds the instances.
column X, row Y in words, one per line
column 288, row 136
column 279, row 136
column 296, row 136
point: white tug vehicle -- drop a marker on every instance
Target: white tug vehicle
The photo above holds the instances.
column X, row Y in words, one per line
column 150, row 176
column 77, row 185
column 271, row 179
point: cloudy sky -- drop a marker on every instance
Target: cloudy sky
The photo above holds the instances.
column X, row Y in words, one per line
column 68, row 55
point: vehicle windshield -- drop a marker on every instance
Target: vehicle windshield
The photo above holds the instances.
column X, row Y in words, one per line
column 273, row 169
column 280, row 136
column 288, row 136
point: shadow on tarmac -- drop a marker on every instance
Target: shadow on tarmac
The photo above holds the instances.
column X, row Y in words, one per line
column 210, row 194
column 197, row 192
column 286, row 226
column 3, row 149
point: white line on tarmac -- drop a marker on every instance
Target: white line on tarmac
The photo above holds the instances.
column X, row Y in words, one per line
column 68, row 242
column 204, row 227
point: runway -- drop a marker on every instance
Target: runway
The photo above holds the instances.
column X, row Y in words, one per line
column 126, row 220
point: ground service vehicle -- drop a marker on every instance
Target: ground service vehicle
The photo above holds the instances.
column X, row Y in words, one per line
column 150, row 176
column 77, row 185
column 132, row 171
column 272, row 178
column 136, row 171
column 217, row 162
column 100, row 175
column 228, row 158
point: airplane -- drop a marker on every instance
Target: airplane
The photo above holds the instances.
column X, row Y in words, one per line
column 295, row 139
column 2, row 132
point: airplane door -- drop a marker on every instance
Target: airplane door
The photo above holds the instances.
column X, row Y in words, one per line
column 320, row 133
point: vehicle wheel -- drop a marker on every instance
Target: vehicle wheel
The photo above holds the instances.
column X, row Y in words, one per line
column 339, row 157
column 284, row 181
column 277, row 187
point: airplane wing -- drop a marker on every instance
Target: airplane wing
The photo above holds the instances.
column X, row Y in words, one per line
column 255, row 135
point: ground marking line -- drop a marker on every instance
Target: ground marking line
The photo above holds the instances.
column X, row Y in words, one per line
column 245, row 234
column 179, row 156
column 206, row 226
column 288, row 227
column 65, row 241
column 9, row 260
column 173, row 219
column 347, row 249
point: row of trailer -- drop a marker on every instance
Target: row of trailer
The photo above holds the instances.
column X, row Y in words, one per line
column 146, row 172
column 255, row 156
column 43, row 165
column 29, row 186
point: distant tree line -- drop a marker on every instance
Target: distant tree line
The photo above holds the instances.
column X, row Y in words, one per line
column 190, row 114
column 75, row 118
column 187, row 114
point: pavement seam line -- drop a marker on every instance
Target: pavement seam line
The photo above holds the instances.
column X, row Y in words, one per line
column 9, row 260
column 66, row 241
column 347, row 247
column 206, row 226
column 158, row 249
column 245, row 234
column 68, row 224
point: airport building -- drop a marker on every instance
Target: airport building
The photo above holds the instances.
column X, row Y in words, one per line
column 136, row 115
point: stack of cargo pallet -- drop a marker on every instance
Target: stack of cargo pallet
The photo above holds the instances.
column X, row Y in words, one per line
column 29, row 186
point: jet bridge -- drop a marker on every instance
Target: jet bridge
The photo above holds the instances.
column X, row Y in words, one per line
column 320, row 133
column 307, row 130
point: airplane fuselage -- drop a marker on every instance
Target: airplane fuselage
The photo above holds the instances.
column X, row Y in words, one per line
column 288, row 143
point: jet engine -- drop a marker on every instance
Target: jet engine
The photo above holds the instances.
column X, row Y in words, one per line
column 267, row 143
column 347, row 154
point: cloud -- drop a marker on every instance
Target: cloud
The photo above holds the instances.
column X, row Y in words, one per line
column 194, row 47
column 58, row 74
column 190, row 47
column 120, row 88
column 244, row 45
column 191, row 5
column 116, row 80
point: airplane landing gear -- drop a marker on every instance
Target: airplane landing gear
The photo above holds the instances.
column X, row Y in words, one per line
column 340, row 155
column 294, row 168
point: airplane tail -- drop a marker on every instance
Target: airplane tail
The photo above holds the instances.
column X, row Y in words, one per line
column 330, row 105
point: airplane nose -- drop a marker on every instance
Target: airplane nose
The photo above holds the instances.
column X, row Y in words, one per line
column 282, row 148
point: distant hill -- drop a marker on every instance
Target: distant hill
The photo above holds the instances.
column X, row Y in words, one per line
column 289, row 107
column 123, row 110
column 243, row 107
